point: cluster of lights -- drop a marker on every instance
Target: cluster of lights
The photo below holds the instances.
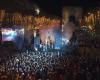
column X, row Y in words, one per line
column 29, row 20
column 92, row 19
column 43, row 22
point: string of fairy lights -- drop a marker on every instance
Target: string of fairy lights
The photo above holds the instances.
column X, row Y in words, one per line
column 32, row 22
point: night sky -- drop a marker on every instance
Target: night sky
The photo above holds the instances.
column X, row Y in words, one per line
column 53, row 7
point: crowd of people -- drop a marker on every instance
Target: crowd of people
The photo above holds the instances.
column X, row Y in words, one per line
column 35, row 65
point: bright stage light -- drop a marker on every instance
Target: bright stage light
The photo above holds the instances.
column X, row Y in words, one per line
column 37, row 11
column 66, row 41
column 17, row 60
column 36, row 49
